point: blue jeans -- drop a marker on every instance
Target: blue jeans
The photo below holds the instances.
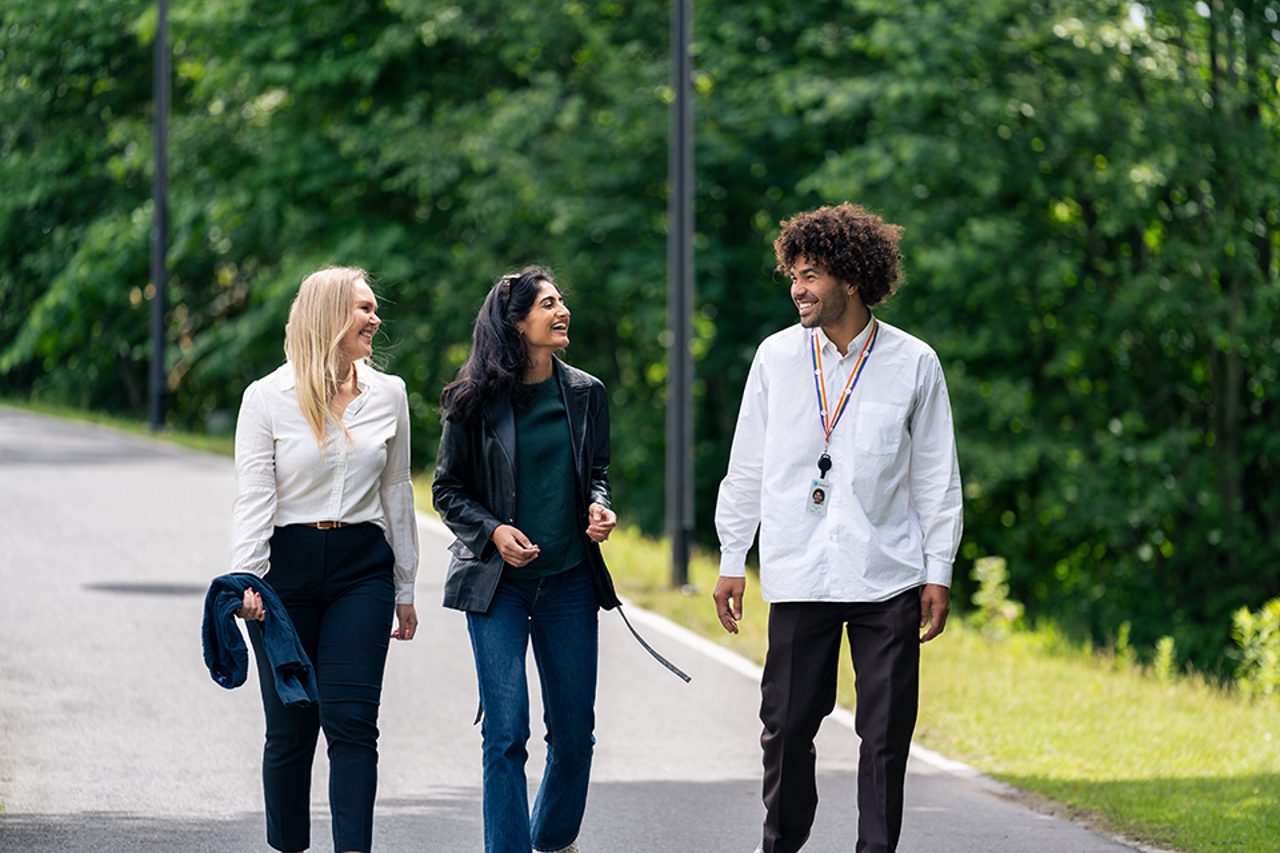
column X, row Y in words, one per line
column 559, row 613
column 338, row 589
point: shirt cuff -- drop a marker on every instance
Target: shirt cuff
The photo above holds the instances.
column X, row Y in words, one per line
column 937, row 572
column 404, row 592
column 733, row 565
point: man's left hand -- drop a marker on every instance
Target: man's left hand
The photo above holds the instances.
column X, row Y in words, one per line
column 935, row 604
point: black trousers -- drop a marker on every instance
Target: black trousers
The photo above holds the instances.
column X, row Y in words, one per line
column 798, row 690
column 338, row 588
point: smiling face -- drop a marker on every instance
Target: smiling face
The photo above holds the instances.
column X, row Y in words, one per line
column 546, row 326
column 357, row 342
column 822, row 299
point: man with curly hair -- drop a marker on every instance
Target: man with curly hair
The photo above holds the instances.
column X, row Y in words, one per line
column 849, row 407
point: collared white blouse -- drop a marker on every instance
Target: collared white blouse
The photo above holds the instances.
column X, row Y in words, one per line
column 894, row 513
column 282, row 478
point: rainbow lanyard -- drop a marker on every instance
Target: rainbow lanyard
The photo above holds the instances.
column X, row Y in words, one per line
column 830, row 418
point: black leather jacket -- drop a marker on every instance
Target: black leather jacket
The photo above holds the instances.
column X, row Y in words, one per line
column 474, row 490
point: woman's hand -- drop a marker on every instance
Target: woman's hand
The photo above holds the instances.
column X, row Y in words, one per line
column 514, row 546
column 407, row 617
column 602, row 521
column 252, row 611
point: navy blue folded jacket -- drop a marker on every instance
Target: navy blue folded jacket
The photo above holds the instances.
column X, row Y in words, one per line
column 224, row 650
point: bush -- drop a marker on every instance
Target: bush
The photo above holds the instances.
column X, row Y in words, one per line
column 1166, row 660
column 1258, row 638
column 1125, row 654
column 996, row 616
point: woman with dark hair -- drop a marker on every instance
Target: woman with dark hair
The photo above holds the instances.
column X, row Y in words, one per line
column 521, row 480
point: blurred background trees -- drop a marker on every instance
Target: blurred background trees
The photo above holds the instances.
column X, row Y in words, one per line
column 1090, row 192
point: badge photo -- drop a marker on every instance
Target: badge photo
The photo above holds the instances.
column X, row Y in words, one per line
column 819, row 497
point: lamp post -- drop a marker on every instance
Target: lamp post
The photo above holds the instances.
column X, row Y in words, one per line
column 680, row 297
column 160, row 222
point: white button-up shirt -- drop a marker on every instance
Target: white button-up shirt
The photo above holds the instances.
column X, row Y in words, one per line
column 894, row 515
column 282, row 478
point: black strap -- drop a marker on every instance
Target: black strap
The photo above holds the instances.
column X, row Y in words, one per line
column 648, row 648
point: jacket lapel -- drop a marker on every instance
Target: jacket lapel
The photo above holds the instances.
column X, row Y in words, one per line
column 575, row 393
column 503, row 417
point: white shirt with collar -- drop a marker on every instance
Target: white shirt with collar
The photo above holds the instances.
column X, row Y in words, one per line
column 894, row 514
column 282, row 478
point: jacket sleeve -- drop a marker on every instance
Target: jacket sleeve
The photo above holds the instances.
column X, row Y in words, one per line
column 453, row 492
column 598, row 488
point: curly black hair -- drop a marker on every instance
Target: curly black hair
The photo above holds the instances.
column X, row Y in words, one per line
column 855, row 246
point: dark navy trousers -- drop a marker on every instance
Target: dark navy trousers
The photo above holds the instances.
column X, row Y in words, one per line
column 338, row 589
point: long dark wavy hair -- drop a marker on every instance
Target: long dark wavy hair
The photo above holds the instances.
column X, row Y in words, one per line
column 499, row 354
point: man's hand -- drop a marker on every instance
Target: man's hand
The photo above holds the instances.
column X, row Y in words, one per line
column 728, row 597
column 935, row 604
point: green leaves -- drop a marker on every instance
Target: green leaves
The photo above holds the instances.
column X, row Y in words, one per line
column 1257, row 637
column 1080, row 203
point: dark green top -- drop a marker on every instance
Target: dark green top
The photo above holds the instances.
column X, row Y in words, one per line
column 546, row 505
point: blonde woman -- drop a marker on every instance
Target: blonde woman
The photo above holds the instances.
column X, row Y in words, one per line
column 324, row 514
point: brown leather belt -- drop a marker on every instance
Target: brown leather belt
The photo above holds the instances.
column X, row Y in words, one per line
column 326, row 525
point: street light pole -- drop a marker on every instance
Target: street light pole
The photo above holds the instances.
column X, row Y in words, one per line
column 680, row 297
column 160, row 221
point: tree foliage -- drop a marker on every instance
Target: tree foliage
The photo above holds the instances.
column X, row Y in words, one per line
column 1090, row 192
column 1093, row 194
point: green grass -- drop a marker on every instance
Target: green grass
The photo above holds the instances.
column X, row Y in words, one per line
column 1180, row 764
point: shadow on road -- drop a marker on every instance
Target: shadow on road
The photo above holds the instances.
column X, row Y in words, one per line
column 164, row 589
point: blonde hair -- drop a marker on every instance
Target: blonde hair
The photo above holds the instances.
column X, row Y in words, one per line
column 319, row 317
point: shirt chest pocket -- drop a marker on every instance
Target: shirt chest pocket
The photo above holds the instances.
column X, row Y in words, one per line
column 879, row 428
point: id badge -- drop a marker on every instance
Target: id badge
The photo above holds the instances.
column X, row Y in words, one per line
column 819, row 497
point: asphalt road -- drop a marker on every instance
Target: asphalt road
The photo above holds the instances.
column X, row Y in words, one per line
column 113, row 736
